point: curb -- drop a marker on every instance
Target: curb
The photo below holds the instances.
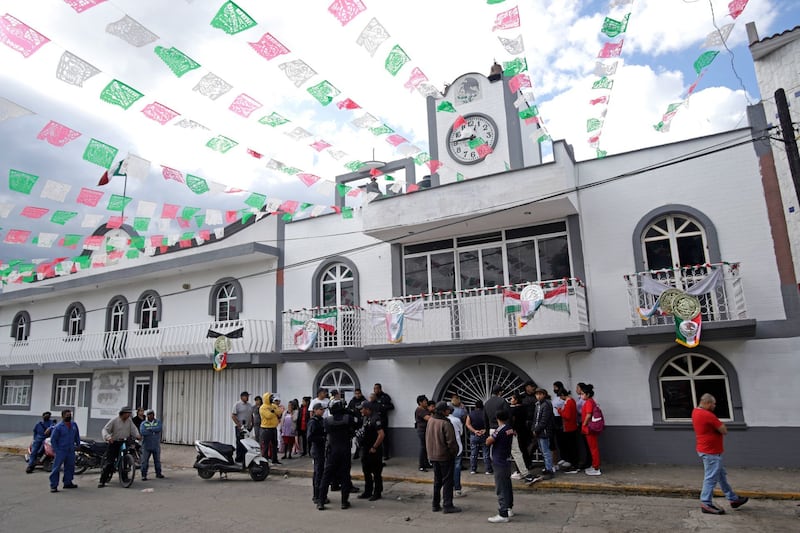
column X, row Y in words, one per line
column 560, row 486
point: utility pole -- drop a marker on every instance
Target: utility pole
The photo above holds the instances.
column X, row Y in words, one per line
column 787, row 130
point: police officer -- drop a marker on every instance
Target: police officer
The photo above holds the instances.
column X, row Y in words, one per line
column 370, row 437
column 339, row 428
column 316, row 439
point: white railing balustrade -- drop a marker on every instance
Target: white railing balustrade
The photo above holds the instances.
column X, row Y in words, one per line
column 449, row 316
column 723, row 302
column 158, row 343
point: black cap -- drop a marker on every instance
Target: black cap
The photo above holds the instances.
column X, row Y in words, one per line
column 125, row 409
column 244, row 393
column 441, row 407
column 365, row 405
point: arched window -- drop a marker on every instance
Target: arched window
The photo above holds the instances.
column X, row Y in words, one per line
column 117, row 314
column 337, row 376
column 148, row 310
column 336, row 286
column 679, row 377
column 673, row 241
column 75, row 319
column 225, row 301
column 21, row 326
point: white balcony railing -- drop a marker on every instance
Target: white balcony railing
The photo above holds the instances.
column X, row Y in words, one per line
column 723, row 302
column 448, row 316
column 159, row 343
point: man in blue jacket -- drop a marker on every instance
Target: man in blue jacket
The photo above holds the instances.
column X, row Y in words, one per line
column 151, row 433
column 40, row 432
column 65, row 438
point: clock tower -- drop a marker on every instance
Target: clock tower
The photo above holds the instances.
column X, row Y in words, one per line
column 485, row 117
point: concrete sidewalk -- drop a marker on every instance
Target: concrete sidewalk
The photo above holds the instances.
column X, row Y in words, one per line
column 660, row 480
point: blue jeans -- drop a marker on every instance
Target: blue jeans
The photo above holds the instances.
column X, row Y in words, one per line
column 503, row 488
column 36, row 447
column 478, row 443
column 457, row 473
column 544, row 447
column 68, row 460
column 146, row 453
column 714, row 473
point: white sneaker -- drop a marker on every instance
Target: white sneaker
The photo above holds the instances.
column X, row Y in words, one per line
column 561, row 462
column 556, row 468
column 510, row 513
column 591, row 471
column 458, row 493
column 565, row 464
column 516, row 475
column 497, row 519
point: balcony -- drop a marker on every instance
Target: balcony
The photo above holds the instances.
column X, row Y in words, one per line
column 723, row 307
column 452, row 323
column 160, row 344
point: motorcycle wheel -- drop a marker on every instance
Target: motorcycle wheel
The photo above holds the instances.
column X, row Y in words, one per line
column 127, row 471
column 81, row 464
column 47, row 464
column 205, row 473
column 259, row 471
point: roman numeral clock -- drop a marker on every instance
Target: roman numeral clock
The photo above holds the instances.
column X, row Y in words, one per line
column 485, row 135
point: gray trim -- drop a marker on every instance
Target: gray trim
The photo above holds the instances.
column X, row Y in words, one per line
column 131, row 377
column 138, row 311
column 327, row 263
column 712, row 241
column 757, row 118
column 150, row 268
column 406, row 164
column 516, row 158
column 82, row 310
column 459, row 367
column 398, row 280
column 56, row 377
column 280, row 238
column 214, row 293
column 576, row 247
column 675, row 351
column 21, row 315
column 27, row 407
column 433, row 136
column 712, row 331
column 331, row 366
column 109, row 307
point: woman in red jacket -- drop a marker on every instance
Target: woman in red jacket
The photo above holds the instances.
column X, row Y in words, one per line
column 569, row 421
column 587, row 393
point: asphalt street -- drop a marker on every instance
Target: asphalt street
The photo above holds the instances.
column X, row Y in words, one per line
column 184, row 502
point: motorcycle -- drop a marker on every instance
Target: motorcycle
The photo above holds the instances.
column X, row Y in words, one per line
column 45, row 458
column 213, row 457
column 90, row 455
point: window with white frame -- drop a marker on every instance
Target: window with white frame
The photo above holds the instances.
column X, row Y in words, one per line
column 336, row 286
column 117, row 315
column 66, row 392
column 16, row 391
column 338, row 376
column 141, row 391
column 226, row 303
column 74, row 320
column 683, row 379
column 530, row 254
column 148, row 312
column 21, row 326
column 673, row 241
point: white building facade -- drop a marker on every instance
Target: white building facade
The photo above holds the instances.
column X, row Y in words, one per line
column 599, row 232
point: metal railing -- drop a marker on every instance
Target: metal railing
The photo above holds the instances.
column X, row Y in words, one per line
column 159, row 343
column 723, row 302
column 453, row 315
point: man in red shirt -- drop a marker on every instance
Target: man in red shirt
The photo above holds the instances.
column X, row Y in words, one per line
column 709, row 432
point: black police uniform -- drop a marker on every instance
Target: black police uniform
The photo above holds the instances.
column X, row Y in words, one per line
column 339, row 428
column 316, row 439
column 371, row 462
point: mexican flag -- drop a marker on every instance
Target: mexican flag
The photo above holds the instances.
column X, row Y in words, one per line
column 305, row 332
column 393, row 315
column 220, row 360
column 556, row 299
column 511, row 302
column 687, row 332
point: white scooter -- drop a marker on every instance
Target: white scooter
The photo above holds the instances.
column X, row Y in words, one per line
column 215, row 457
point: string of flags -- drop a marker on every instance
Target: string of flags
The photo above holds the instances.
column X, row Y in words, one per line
column 714, row 41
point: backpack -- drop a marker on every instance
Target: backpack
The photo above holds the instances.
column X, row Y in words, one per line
column 597, row 423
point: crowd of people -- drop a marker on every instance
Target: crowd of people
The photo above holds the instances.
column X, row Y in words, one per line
column 506, row 434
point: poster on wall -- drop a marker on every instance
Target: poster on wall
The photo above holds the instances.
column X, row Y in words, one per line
column 109, row 393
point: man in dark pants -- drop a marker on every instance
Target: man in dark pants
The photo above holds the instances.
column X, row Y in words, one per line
column 339, row 428
column 525, row 439
column 371, row 437
column 500, row 441
column 421, row 417
column 384, row 402
column 242, row 416
column 316, row 440
column 115, row 432
column 440, row 439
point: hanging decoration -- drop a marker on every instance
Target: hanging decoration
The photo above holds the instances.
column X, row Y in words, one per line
column 305, row 332
column 392, row 315
column 531, row 298
column 222, row 345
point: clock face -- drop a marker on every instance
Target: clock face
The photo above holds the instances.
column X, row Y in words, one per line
column 463, row 142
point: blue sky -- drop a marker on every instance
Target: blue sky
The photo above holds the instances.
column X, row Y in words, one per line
column 444, row 39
